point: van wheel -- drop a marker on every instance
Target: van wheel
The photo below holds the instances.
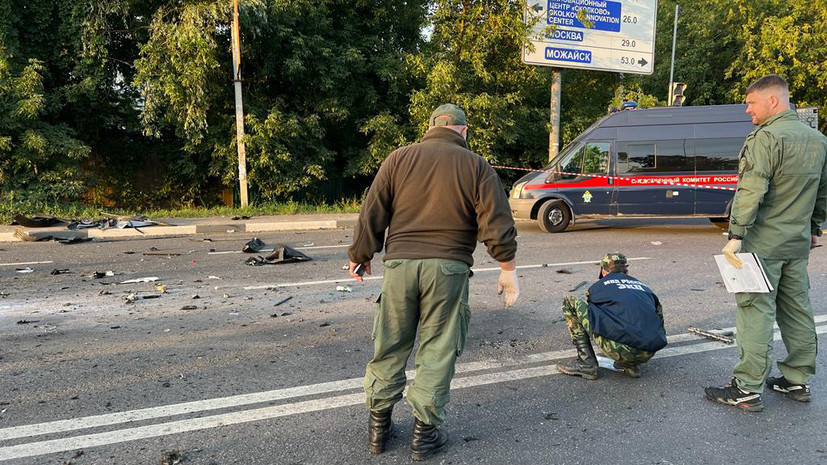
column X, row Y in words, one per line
column 721, row 222
column 554, row 216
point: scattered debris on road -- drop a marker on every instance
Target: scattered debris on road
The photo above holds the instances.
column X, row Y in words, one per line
column 133, row 296
column 172, row 457
column 344, row 289
column 564, row 271
column 141, row 280
column 39, row 221
column 58, row 271
column 255, row 245
column 27, row 322
column 102, row 274
column 69, row 238
column 189, row 307
column 281, row 254
column 283, row 301
column 715, row 334
column 28, row 269
column 578, row 286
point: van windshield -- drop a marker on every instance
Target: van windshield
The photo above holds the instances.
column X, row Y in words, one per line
column 563, row 153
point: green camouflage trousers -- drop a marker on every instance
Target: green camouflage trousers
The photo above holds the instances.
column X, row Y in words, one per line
column 576, row 314
column 430, row 295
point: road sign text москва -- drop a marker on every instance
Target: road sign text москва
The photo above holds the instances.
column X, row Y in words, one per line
column 617, row 36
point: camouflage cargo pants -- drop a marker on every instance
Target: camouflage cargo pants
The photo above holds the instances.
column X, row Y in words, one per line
column 576, row 314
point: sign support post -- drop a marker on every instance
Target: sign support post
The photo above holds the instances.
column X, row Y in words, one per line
column 672, row 65
column 554, row 113
column 239, row 109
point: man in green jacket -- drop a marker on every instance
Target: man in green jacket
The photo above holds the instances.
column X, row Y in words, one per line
column 436, row 199
column 777, row 212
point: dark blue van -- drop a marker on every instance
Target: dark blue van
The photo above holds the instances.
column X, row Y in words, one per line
column 665, row 162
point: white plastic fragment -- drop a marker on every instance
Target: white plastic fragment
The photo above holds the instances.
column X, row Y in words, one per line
column 141, row 280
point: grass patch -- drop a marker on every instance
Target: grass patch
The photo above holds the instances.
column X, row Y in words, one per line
column 81, row 212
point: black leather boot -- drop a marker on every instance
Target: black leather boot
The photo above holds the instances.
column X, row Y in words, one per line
column 379, row 430
column 585, row 364
column 427, row 440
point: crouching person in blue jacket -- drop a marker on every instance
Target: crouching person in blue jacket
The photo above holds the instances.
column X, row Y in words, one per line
column 623, row 316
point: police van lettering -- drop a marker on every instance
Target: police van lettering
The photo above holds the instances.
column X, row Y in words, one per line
column 702, row 182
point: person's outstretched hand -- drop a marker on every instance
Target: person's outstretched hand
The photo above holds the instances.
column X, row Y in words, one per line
column 507, row 283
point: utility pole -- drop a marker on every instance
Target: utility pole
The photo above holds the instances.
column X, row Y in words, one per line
column 239, row 108
column 554, row 113
column 672, row 65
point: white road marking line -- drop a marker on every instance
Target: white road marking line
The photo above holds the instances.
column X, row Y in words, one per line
column 26, row 263
column 367, row 278
column 282, row 394
column 266, row 413
column 346, row 279
column 180, row 426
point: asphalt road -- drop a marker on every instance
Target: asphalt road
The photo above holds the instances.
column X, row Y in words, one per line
column 248, row 377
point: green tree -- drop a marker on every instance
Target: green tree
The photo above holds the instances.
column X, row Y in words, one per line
column 472, row 58
column 782, row 37
column 313, row 72
column 39, row 160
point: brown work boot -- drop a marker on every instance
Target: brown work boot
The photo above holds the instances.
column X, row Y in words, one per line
column 632, row 371
column 427, row 440
column 379, row 430
column 585, row 365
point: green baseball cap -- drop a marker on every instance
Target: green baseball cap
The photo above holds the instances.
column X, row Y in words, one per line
column 447, row 114
column 614, row 262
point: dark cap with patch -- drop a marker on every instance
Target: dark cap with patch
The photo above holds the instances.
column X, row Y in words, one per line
column 447, row 114
column 614, row 262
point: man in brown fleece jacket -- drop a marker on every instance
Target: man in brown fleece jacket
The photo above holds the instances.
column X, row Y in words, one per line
column 436, row 199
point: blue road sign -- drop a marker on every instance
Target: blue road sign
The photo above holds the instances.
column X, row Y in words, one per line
column 602, row 15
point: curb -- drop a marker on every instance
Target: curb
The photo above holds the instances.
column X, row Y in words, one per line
column 158, row 231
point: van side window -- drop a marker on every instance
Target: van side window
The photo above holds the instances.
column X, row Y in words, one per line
column 635, row 157
column 671, row 156
column 717, row 154
column 591, row 158
column 655, row 156
column 596, row 159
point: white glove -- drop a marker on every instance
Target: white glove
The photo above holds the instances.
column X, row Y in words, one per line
column 730, row 249
column 508, row 283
